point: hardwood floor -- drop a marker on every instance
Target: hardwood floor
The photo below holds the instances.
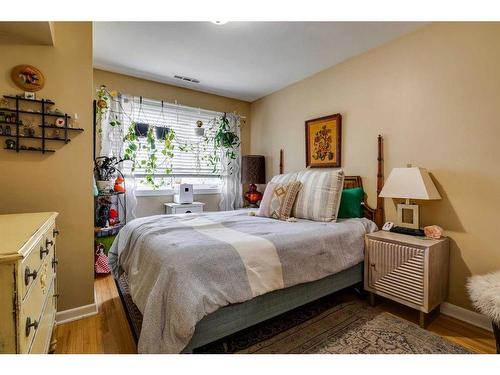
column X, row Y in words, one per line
column 106, row 332
column 109, row 331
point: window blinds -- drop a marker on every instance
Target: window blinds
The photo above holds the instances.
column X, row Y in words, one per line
column 192, row 162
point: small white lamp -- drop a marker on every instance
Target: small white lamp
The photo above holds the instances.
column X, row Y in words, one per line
column 409, row 183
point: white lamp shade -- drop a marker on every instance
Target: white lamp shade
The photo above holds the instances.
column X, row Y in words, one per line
column 410, row 183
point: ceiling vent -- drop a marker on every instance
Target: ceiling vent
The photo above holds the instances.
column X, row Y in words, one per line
column 187, row 79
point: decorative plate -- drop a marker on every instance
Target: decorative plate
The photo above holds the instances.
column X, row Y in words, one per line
column 28, row 78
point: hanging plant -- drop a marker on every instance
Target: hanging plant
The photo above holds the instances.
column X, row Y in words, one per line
column 102, row 107
column 225, row 142
column 150, row 164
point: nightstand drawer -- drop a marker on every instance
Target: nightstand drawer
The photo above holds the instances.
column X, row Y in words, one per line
column 187, row 210
column 396, row 270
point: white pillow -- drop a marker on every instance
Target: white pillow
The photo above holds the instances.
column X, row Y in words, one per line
column 319, row 198
column 285, row 178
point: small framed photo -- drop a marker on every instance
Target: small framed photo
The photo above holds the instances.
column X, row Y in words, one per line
column 29, row 95
column 324, row 141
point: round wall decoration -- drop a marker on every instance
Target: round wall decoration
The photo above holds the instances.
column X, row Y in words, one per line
column 28, row 78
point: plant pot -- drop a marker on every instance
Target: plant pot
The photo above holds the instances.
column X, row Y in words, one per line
column 141, row 129
column 105, row 186
column 161, row 132
column 200, row 132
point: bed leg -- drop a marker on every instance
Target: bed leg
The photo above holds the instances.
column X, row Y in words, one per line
column 360, row 290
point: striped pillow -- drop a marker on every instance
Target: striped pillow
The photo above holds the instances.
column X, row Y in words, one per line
column 319, row 198
column 285, row 178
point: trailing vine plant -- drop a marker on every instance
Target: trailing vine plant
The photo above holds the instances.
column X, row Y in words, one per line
column 150, row 164
column 225, row 141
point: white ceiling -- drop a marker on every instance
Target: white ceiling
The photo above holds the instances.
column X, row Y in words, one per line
column 243, row 60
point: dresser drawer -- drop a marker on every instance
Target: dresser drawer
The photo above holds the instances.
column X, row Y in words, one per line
column 43, row 334
column 396, row 270
column 32, row 306
column 42, row 251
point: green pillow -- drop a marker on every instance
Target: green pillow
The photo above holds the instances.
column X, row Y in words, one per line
column 350, row 203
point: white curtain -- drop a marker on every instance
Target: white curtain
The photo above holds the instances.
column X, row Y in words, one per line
column 112, row 144
column 232, row 196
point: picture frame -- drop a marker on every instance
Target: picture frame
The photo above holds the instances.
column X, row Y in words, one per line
column 324, row 142
column 29, row 95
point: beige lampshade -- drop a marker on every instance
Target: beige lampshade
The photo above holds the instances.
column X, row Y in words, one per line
column 410, row 183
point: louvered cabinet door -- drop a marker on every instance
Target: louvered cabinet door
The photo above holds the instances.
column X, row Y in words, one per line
column 397, row 270
column 409, row 270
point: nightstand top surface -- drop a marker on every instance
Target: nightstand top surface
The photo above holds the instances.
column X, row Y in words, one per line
column 382, row 235
column 173, row 204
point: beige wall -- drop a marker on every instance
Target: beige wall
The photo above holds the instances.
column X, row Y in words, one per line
column 61, row 181
column 154, row 90
column 435, row 97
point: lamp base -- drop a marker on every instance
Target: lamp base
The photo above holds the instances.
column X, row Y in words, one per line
column 408, row 215
column 253, row 196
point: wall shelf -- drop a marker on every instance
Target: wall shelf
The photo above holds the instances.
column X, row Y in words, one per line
column 44, row 113
column 27, row 149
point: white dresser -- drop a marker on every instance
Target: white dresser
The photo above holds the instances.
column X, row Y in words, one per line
column 28, row 298
column 183, row 208
column 407, row 269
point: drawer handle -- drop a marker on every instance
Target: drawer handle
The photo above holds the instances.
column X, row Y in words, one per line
column 48, row 243
column 54, row 262
column 43, row 252
column 30, row 324
column 55, row 232
column 28, row 274
column 188, row 212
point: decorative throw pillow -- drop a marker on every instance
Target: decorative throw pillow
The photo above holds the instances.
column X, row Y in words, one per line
column 350, row 203
column 319, row 198
column 278, row 200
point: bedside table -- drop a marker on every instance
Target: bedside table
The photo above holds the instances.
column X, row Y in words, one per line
column 407, row 269
column 183, row 208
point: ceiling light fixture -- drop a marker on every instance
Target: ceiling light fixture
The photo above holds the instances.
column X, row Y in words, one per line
column 219, row 22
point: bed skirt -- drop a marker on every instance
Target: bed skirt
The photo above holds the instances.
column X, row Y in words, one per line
column 236, row 317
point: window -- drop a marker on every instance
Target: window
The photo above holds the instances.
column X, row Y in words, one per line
column 189, row 164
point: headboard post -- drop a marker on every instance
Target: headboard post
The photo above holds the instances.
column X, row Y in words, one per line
column 281, row 161
column 379, row 211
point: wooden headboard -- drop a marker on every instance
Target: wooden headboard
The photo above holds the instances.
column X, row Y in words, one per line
column 377, row 214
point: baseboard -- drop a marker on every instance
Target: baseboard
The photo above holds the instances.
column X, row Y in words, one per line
column 471, row 317
column 76, row 313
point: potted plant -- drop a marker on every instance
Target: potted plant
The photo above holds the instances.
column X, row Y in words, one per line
column 105, row 171
column 199, row 131
column 141, row 129
column 225, row 141
column 149, row 147
column 161, row 132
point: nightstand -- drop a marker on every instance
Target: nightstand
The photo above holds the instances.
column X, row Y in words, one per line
column 183, row 208
column 407, row 269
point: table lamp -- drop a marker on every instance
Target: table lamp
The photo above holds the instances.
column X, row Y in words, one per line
column 409, row 183
column 253, row 171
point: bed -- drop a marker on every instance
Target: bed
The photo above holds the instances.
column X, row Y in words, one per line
column 248, row 269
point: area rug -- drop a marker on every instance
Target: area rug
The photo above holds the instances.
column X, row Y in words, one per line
column 326, row 326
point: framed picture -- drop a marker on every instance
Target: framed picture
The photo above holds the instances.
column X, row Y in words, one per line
column 29, row 95
column 323, row 142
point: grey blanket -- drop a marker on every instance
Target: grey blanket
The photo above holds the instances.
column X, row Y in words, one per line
column 182, row 267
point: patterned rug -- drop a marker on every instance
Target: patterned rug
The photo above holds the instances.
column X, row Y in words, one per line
column 321, row 327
